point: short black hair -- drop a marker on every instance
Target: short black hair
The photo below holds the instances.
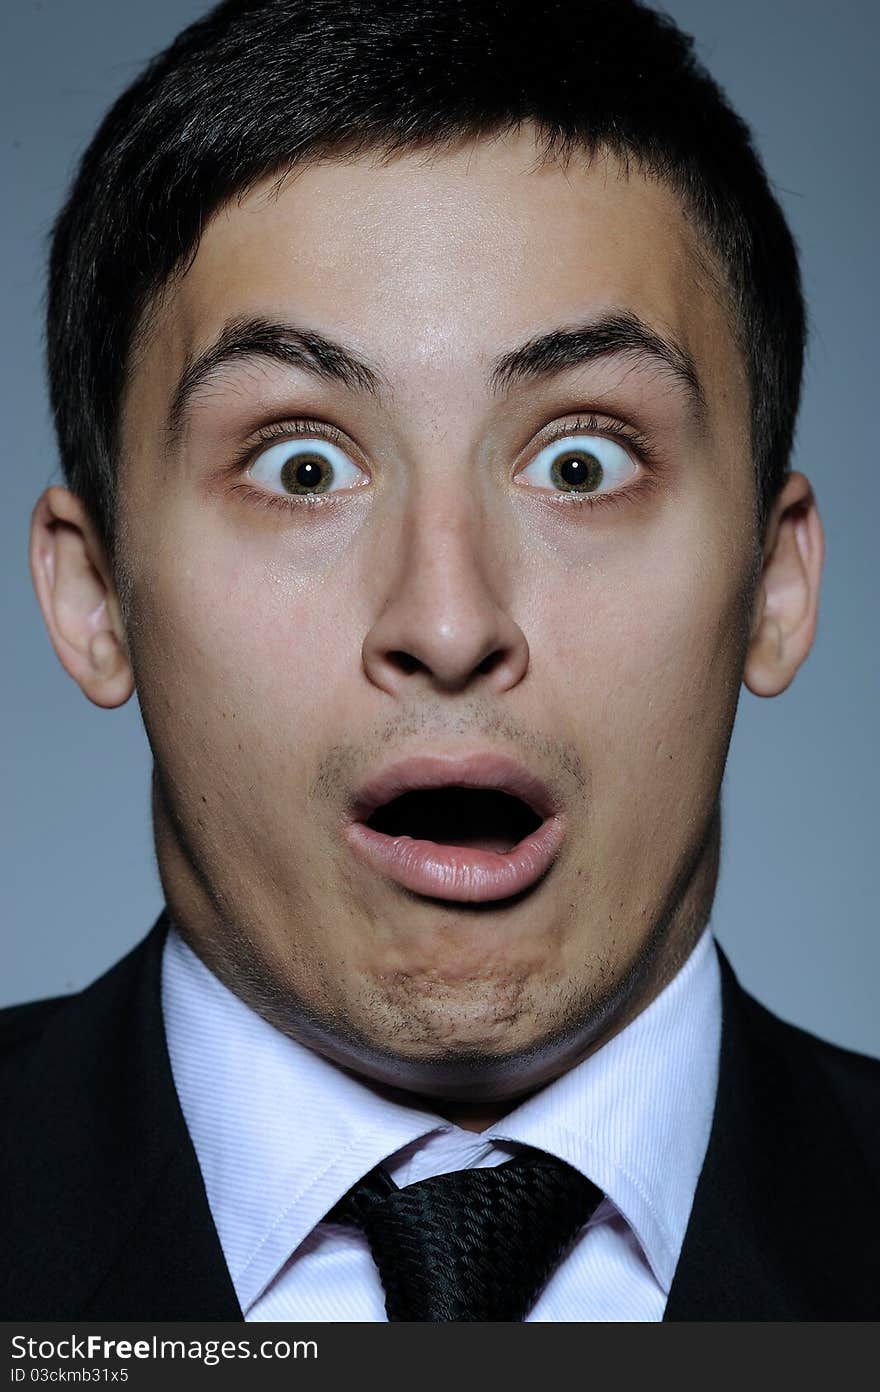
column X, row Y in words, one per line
column 259, row 86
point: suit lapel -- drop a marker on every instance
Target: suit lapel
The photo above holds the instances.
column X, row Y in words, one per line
column 102, row 1188
column 768, row 1238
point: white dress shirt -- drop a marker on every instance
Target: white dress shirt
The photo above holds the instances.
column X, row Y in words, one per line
column 281, row 1133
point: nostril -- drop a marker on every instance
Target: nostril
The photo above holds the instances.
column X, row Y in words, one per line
column 488, row 663
column 405, row 661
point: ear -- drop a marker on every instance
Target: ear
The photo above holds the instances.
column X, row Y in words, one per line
column 787, row 601
column 74, row 585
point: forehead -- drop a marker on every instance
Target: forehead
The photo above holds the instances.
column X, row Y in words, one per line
column 431, row 262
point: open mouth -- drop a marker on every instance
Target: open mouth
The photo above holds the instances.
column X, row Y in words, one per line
column 484, row 819
column 469, row 841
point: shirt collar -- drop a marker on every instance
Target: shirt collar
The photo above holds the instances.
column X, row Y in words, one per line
column 635, row 1116
column 281, row 1133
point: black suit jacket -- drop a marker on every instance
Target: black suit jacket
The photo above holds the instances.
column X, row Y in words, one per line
column 103, row 1212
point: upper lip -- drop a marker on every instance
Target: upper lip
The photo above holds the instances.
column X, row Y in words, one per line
column 476, row 770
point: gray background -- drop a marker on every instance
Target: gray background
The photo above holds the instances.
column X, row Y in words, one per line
column 796, row 908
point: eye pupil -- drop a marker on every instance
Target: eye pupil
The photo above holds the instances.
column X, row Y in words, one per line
column 304, row 472
column 581, row 470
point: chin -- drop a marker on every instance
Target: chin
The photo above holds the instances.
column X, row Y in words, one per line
column 483, row 1051
column 462, row 1071
column 486, row 1039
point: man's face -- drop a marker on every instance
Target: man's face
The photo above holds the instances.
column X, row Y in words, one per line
column 454, row 593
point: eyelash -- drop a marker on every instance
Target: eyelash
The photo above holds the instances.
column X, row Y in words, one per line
column 625, row 435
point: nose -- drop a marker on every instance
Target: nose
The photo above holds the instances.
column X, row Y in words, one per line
column 443, row 621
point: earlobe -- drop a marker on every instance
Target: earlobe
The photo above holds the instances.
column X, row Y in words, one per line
column 787, row 603
column 74, row 587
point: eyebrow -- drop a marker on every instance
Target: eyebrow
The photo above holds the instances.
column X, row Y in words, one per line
column 542, row 356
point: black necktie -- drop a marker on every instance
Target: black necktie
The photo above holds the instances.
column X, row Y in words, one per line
column 474, row 1244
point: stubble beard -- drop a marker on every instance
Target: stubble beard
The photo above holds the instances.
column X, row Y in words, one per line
column 417, row 1043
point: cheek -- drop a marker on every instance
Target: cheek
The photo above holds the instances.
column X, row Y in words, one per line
column 649, row 659
column 243, row 629
column 236, row 671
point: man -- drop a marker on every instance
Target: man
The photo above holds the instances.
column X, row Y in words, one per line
column 425, row 379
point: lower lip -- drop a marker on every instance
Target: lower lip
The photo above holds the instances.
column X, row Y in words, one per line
column 458, row 873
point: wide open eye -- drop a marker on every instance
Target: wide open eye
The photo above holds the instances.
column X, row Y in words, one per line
column 580, row 463
column 305, row 467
